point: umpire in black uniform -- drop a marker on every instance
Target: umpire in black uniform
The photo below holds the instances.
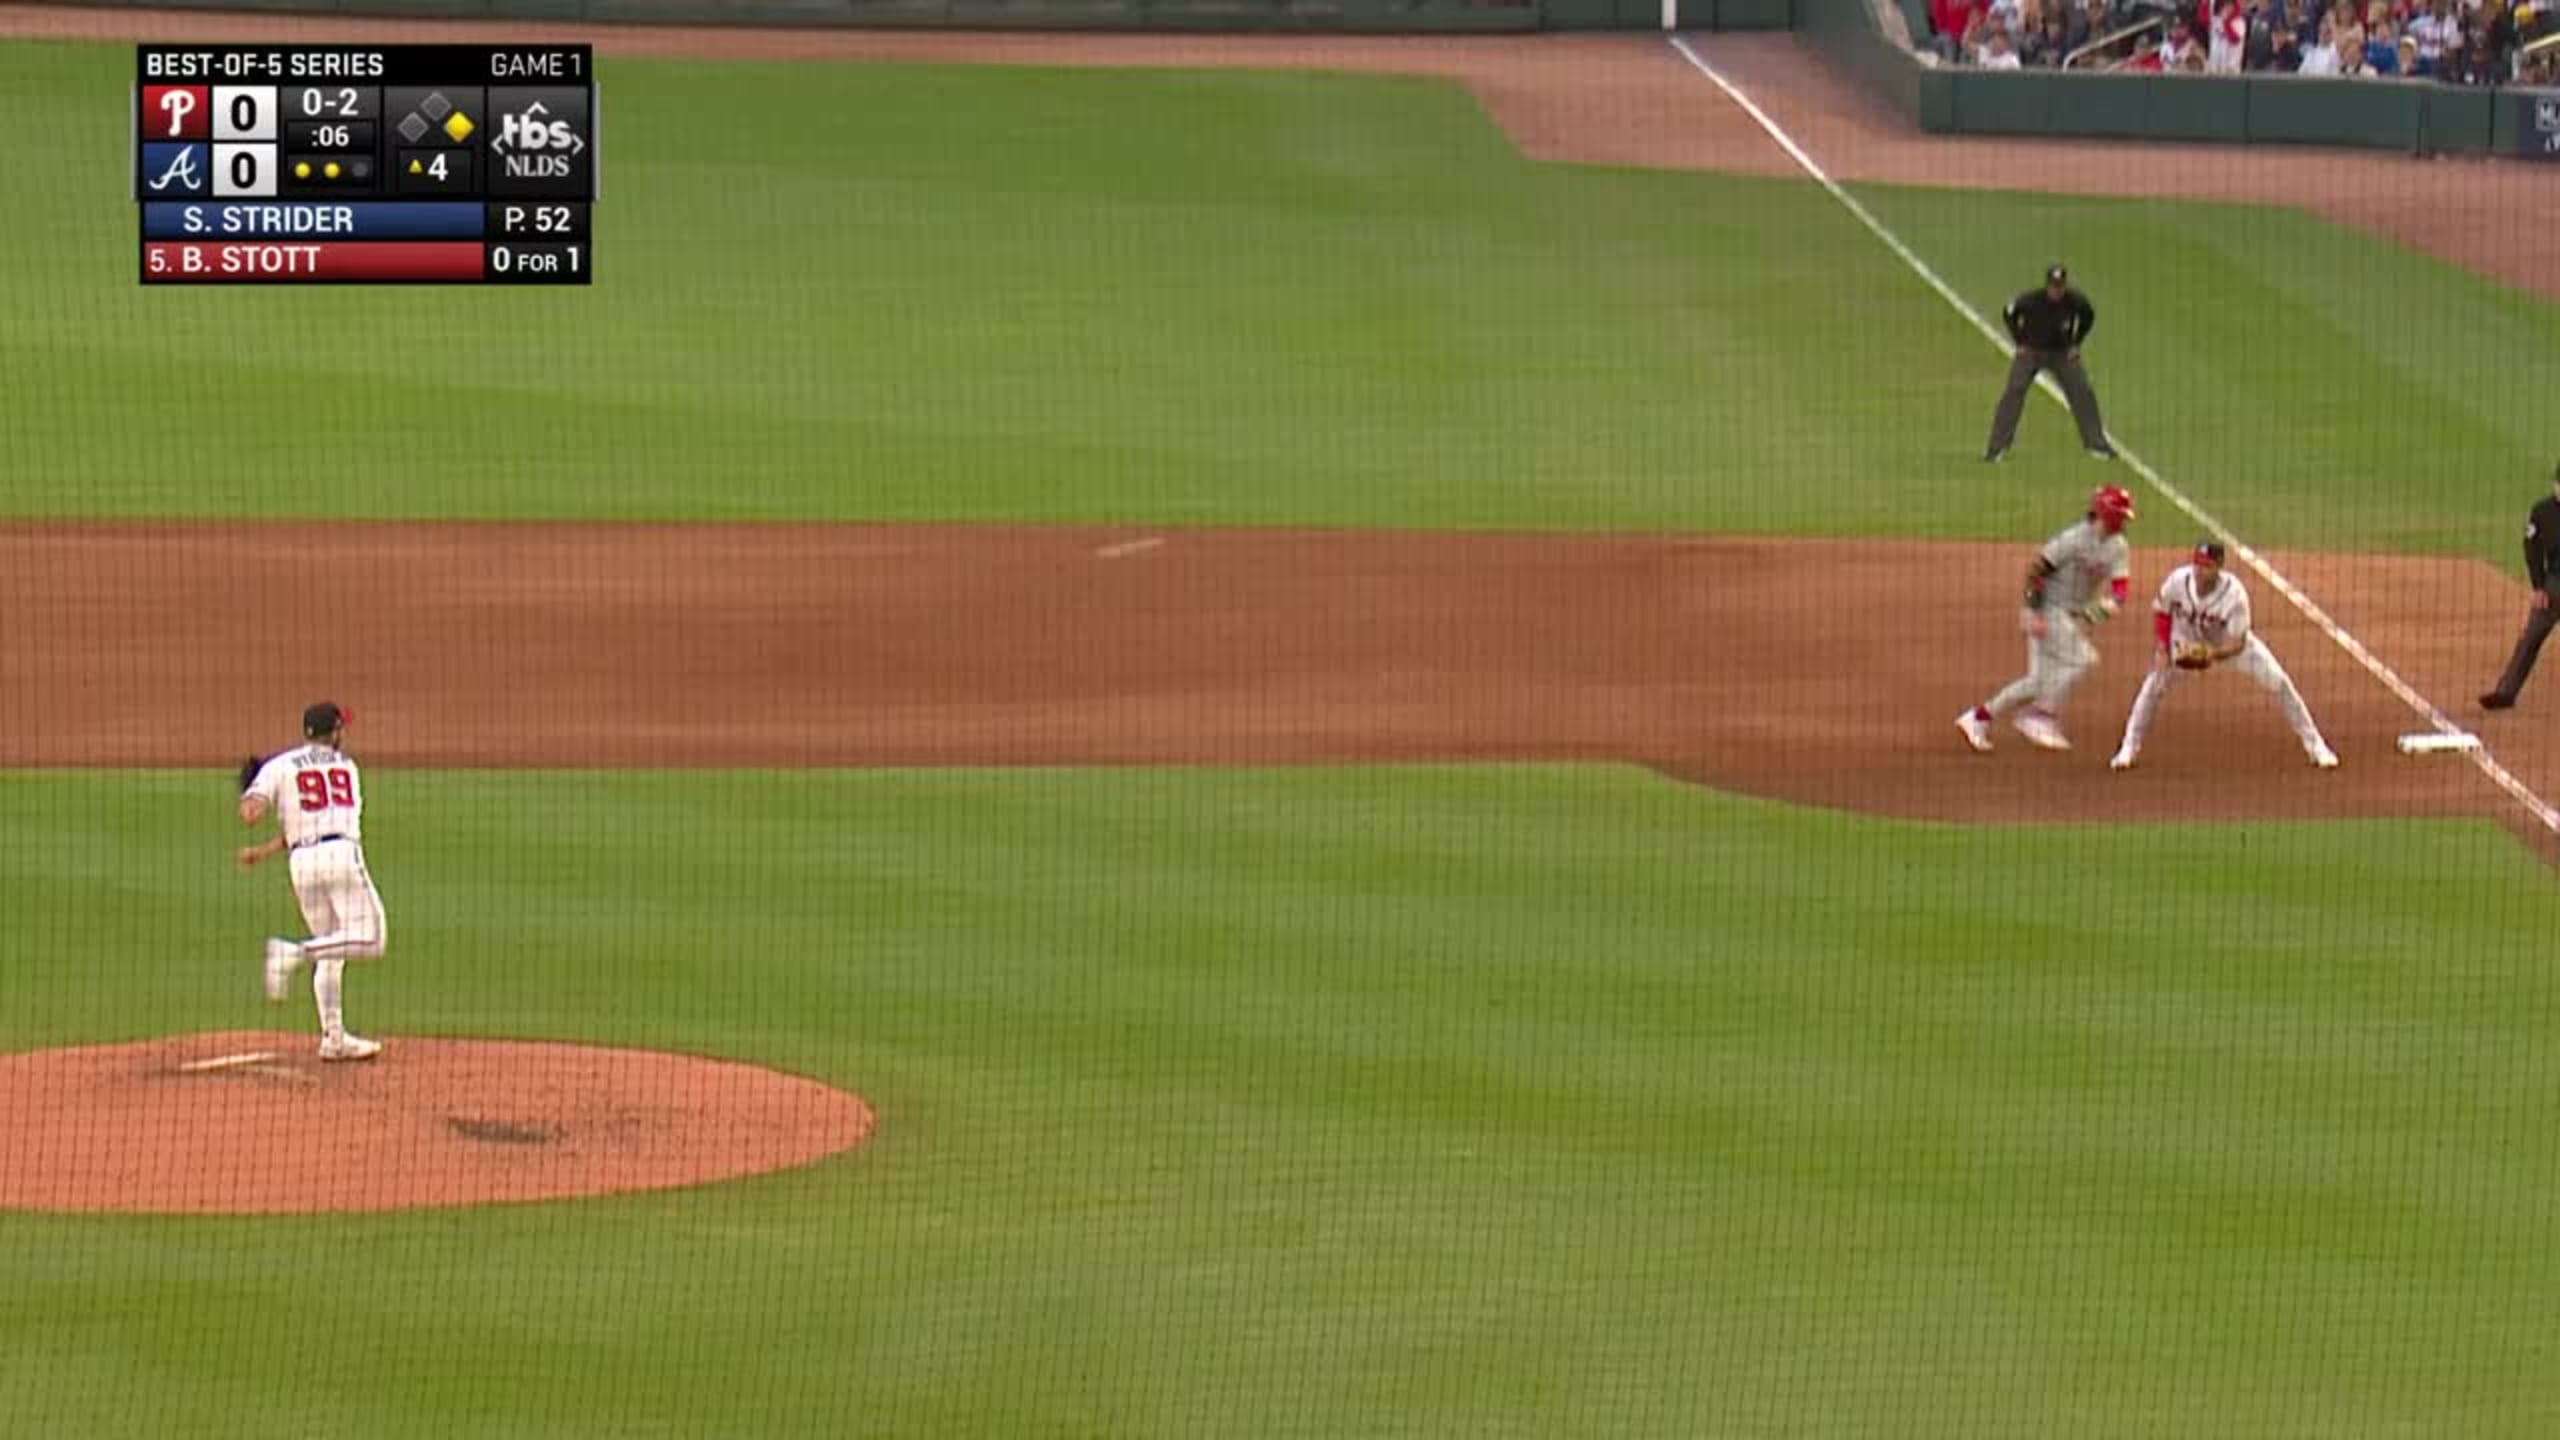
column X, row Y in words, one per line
column 2049, row 326
column 2542, row 566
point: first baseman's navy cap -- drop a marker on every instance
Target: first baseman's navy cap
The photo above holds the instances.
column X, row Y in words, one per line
column 2209, row 550
column 2055, row 275
column 324, row 717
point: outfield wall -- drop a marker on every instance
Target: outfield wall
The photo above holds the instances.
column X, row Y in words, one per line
column 2416, row 117
column 2419, row 118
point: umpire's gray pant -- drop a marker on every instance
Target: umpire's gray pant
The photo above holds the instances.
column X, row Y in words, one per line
column 2538, row 623
column 2075, row 388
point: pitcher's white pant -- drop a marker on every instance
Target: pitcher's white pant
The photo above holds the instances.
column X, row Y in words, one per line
column 338, row 901
column 2257, row 662
column 344, row 912
column 2055, row 662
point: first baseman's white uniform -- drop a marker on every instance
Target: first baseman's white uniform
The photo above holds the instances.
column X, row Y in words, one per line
column 2216, row 618
column 2087, row 562
column 317, row 796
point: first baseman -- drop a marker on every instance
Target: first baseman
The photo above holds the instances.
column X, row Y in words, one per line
column 317, row 798
column 2200, row 620
column 2542, row 567
column 2079, row 579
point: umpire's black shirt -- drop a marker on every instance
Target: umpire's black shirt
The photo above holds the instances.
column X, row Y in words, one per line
column 2542, row 545
column 2040, row 322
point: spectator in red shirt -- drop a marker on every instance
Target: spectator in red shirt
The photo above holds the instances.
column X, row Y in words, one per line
column 1953, row 20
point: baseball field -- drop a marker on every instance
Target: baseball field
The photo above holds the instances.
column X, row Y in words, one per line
column 1313, row 678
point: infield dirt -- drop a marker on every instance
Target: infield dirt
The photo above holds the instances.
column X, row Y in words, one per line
column 1808, row 671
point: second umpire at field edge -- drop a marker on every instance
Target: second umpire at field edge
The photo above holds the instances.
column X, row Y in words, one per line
column 2542, row 567
column 2049, row 326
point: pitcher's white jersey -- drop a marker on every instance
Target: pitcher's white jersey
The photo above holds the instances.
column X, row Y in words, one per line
column 314, row 791
column 2085, row 561
column 2217, row 619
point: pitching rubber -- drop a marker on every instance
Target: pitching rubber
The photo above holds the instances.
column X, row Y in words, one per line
column 228, row 1062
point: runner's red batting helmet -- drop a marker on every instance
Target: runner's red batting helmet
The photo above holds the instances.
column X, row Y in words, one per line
column 2112, row 505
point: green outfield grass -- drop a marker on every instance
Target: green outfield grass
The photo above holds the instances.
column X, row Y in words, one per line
column 2315, row 387
column 1537, row 1102
column 1359, row 1102
column 836, row 291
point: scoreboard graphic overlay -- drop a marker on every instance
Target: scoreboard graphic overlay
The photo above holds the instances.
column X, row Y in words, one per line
column 366, row 164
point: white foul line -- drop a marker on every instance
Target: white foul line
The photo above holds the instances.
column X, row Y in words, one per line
column 2534, row 805
column 1129, row 547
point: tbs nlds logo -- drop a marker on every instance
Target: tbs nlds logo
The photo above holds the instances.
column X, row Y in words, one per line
column 531, row 142
column 542, row 141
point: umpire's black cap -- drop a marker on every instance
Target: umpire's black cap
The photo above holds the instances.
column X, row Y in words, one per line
column 325, row 718
column 2056, row 275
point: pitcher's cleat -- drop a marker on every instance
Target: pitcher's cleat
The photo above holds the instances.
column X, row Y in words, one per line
column 349, row 1047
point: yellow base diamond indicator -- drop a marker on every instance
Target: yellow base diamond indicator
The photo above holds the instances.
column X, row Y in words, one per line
column 459, row 126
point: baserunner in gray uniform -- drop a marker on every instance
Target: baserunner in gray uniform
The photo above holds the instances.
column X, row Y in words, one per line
column 2048, row 327
column 2079, row 579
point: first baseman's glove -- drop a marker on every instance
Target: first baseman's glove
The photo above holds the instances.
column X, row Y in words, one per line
column 249, row 769
column 2194, row 655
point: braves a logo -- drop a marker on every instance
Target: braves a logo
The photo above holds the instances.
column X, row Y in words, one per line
column 178, row 174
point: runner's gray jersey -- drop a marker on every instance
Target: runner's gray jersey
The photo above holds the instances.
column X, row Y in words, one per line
column 2084, row 559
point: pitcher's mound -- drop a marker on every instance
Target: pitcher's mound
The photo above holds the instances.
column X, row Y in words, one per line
column 251, row 1123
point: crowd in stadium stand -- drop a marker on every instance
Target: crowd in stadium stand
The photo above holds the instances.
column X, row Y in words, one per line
column 2454, row 42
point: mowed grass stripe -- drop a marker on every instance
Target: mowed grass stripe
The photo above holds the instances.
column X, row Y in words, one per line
column 2315, row 386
